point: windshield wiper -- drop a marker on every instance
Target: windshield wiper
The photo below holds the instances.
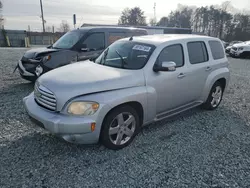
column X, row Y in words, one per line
column 104, row 56
column 123, row 60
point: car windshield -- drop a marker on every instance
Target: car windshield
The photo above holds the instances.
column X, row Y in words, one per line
column 68, row 40
column 126, row 55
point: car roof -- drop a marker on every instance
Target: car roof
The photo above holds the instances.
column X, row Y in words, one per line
column 162, row 38
column 108, row 28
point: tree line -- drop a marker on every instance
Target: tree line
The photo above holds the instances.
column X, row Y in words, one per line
column 1, row 17
column 216, row 21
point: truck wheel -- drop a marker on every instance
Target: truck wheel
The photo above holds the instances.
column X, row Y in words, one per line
column 214, row 98
column 119, row 127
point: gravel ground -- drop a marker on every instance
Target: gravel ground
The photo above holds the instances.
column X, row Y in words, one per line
column 195, row 149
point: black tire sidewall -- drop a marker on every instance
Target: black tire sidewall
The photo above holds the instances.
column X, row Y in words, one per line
column 104, row 137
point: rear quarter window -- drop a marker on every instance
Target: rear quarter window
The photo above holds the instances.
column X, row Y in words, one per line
column 216, row 49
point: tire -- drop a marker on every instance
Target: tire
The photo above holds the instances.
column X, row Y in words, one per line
column 115, row 135
column 244, row 55
column 213, row 102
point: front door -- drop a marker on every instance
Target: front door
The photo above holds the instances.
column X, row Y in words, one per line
column 92, row 46
column 171, row 87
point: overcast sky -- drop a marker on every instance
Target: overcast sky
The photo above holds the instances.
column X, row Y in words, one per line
column 19, row 14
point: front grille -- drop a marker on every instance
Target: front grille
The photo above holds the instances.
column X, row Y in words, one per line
column 45, row 97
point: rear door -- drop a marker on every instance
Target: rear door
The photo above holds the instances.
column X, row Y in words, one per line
column 198, row 69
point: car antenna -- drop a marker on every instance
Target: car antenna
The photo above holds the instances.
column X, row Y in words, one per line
column 131, row 38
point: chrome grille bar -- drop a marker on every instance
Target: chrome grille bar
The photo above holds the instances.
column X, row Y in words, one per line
column 45, row 97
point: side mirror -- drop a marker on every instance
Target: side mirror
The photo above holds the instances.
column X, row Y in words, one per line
column 165, row 66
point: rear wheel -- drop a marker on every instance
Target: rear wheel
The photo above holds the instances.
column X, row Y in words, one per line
column 120, row 127
column 214, row 98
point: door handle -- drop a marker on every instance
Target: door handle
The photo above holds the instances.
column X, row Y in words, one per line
column 208, row 68
column 181, row 75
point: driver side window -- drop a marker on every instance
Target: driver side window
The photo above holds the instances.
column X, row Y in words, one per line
column 172, row 53
column 94, row 42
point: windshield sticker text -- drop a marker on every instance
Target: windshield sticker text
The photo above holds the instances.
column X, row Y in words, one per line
column 142, row 48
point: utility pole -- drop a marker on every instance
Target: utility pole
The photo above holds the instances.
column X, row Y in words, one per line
column 155, row 12
column 41, row 4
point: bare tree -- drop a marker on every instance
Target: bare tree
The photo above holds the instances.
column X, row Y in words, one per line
column 226, row 5
column 152, row 22
column 64, row 26
column 1, row 17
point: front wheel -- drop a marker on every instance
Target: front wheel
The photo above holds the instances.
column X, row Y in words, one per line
column 120, row 127
column 214, row 98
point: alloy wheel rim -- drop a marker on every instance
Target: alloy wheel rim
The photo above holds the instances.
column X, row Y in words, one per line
column 122, row 128
column 216, row 96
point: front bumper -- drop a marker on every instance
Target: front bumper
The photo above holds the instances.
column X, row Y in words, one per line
column 234, row 53
column 23, row 71
column 31, row 69
column 228, row 50
column 70, row 128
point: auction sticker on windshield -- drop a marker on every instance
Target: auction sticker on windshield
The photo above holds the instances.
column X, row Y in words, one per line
column 142, row 48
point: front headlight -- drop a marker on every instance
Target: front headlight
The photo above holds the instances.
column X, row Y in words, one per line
column 83, row 108
column 46, row 58
column 241, row 48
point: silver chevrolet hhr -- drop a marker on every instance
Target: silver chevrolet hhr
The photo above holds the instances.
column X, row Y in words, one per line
column 134, row 82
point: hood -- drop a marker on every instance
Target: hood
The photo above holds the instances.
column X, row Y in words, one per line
column 33, row 53
column 241, row 45
column 87, row 77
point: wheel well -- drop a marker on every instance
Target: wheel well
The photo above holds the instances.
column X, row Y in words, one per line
column 135, row 105
column 222, row 81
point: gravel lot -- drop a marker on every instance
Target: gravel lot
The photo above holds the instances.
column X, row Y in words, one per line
column 195, row 149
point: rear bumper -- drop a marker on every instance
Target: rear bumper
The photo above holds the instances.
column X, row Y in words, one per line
column 70, row 128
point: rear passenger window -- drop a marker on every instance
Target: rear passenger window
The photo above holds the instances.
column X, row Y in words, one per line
column 217, row 49
column 197, row 52
column 172, row 53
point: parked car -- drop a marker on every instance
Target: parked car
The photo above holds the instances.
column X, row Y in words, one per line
column 228, row 48
column 240, row 50
column 77, row 45
column 134, row 82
